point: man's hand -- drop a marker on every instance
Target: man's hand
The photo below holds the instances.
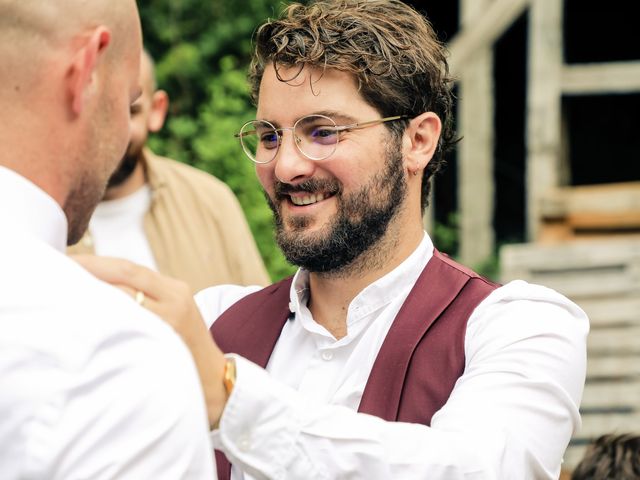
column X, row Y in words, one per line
column 172, row 301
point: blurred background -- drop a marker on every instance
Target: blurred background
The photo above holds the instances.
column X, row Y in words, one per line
column 545, row 184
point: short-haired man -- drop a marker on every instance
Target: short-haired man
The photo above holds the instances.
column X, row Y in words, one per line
column 381, row 358
column 91, row 385
column 170, row 216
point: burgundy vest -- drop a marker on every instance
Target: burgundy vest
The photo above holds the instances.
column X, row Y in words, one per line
column 420, row 359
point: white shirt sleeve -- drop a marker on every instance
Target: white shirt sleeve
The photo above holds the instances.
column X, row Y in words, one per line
column 94, row 387
column 115, row 418
column 510, row 415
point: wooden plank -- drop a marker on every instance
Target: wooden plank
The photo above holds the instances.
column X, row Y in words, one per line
column 483, row 32
column 588, row 221
column 625, row 339
column 586, row 284
column 599, row 366
column 624, row 394
column 599, row 78
column 475, row 153
column 543, row 106
column 596, row 425
column 608, row 198
column 590, row 235
column 553, row 231
column 585, row 254
column 582, row 271
column 613, row 310
column 589, row 210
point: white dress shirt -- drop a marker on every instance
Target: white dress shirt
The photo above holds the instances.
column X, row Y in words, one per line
column 117, row 228
column 91, row 385
column 510, row 415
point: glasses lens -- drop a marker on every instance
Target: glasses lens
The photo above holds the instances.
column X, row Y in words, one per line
column 316, row 136
column 259, row 141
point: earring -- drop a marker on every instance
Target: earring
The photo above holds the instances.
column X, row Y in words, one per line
column 415, row 172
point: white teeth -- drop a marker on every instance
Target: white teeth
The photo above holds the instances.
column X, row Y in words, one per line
column 307, row 200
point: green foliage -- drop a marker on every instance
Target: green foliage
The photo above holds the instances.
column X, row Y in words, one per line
column 489, row 267
column 445, row 235
column 202, row 51
column 446, row 238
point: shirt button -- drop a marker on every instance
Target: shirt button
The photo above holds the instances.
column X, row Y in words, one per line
column 244, row 443
column 327, row 355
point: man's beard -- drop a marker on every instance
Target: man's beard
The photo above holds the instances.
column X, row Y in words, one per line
column 362, row 219
column 79, row 207
column 125, row 169
column 86, row 192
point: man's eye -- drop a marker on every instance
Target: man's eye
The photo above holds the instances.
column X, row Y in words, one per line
column 323, row 134
column 269, row 140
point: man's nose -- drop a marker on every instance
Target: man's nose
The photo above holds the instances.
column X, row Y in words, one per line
column 291, row 165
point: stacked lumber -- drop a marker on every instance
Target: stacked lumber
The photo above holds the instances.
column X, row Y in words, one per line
column 603, row 277
column 590, row 212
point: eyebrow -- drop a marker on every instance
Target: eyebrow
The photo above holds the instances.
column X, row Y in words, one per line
column 335, row 115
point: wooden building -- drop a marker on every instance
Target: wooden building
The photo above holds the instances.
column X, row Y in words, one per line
column 548, row 171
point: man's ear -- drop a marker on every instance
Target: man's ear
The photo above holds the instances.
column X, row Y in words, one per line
column 423, row 135
column 82, row 71
column 158, row 112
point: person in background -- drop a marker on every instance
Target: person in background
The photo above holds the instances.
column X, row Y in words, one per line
column 381, row 358
column 92, row 386
column 610, row 457
column 169, row 216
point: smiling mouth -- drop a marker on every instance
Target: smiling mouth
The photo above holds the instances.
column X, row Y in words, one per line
column 308, row 199
column 307, row 193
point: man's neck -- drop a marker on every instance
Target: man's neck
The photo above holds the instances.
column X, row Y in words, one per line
column 331, row 294
column 132, row 184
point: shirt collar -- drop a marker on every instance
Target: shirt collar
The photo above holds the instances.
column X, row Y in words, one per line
column 380, row 292
column 26, row 208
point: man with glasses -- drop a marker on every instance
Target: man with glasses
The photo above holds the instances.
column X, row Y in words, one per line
column 381, row 358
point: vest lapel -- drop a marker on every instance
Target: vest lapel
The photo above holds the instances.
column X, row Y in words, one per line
column 252, row 328
column 428, row 298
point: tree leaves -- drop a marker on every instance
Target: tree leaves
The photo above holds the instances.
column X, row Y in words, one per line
column 202, row 51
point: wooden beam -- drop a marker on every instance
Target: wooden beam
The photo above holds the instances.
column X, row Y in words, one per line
column 544, row 145
column 601, row 78
column 485, row 29
column 475, row 152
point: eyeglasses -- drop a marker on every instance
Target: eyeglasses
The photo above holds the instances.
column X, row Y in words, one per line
column 315, row 136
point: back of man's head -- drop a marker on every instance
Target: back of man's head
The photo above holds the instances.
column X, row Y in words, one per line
column 610, row 457
column 68, row 72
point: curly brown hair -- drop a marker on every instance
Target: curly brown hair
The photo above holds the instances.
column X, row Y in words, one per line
column 392, row 51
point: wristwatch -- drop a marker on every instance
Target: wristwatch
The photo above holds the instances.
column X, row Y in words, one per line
column 228, row 380
column 229, row 374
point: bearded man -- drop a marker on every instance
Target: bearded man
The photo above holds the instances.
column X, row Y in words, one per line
column 381, row 358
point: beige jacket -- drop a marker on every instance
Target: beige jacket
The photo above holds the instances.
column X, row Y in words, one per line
column 196, row 228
